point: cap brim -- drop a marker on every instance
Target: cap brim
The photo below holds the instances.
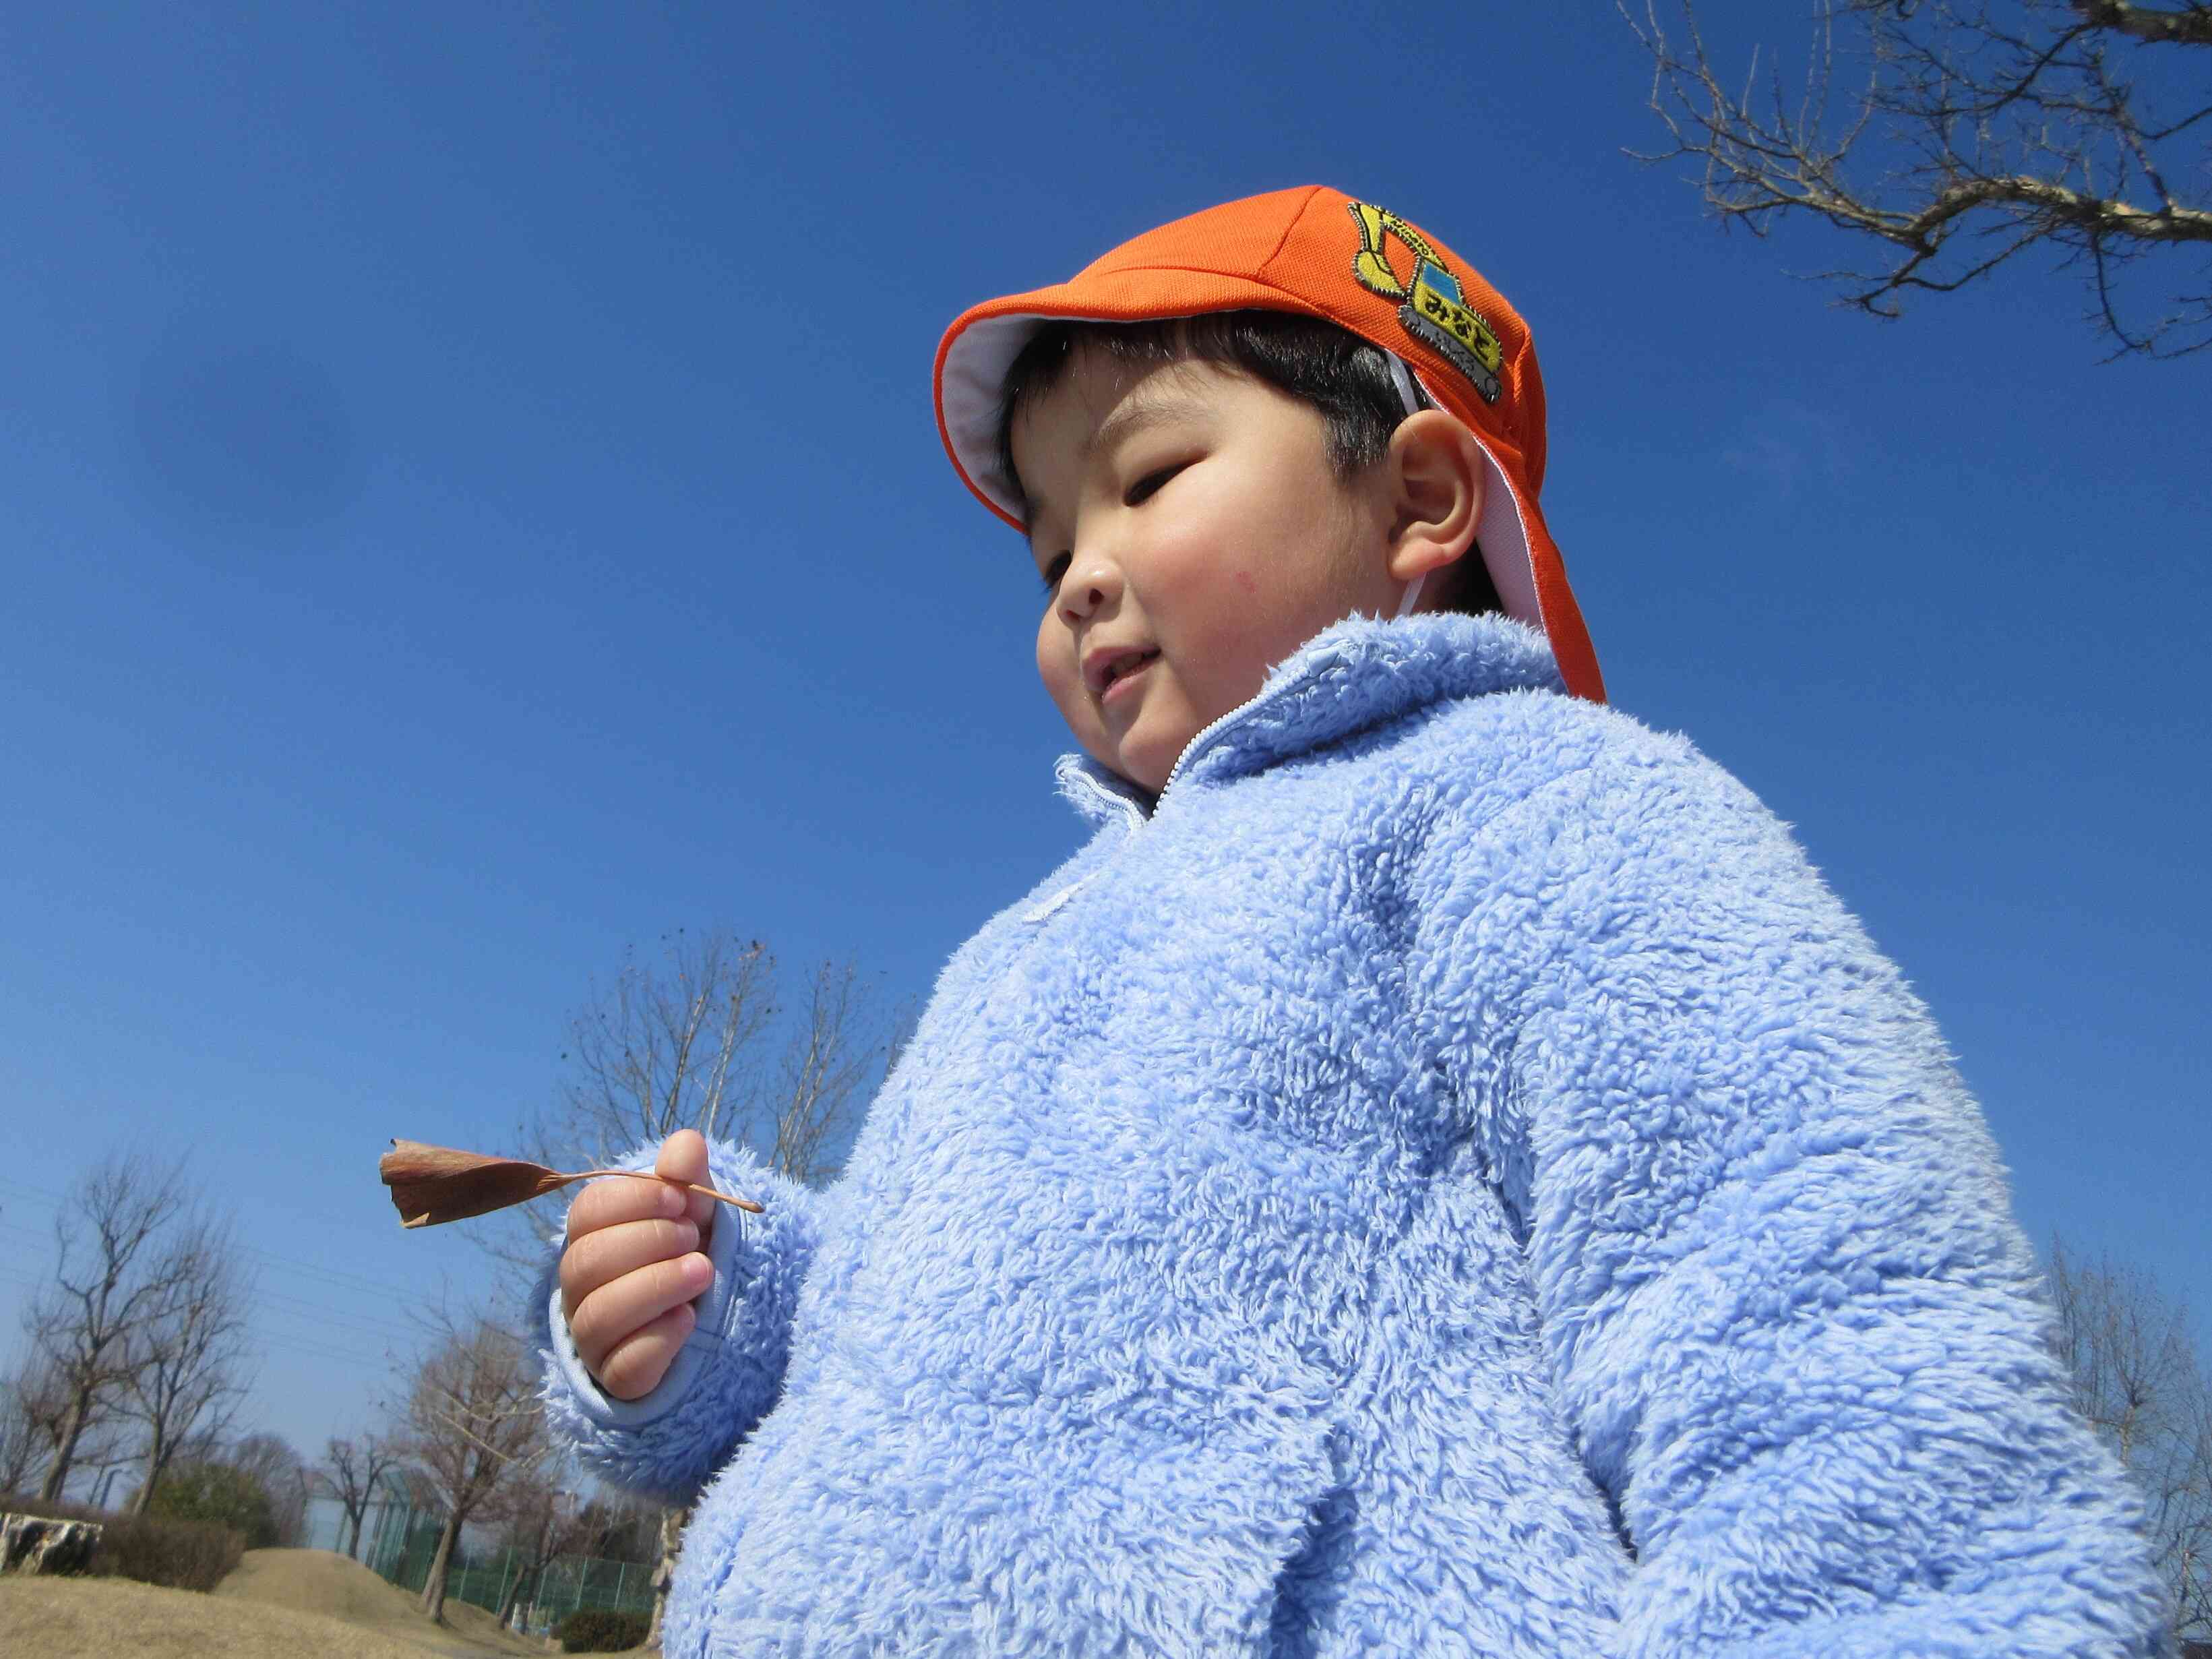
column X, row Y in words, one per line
column 982, row 345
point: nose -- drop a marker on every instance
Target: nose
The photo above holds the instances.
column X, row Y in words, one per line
column 1091, row 584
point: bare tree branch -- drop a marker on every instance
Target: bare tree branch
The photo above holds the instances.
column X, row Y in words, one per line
column 1971, row 123
column 473, row 1424
column 350, row 1472
column 654, row 1053
column 2192, row 26
column 827, row 1073
column 539, row 1520
column 2139, row 1383
column 30, row 1417
column 688, row 1040
column 187, row 1365
column 111, row 1278
column 678, row 1043
column 270, row 1461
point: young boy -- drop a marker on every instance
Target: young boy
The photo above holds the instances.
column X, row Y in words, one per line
column 1436, row 1173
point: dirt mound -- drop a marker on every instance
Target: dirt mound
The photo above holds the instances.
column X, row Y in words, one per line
column 321, row 1581
column 280, row 1604
column 484, row 1629
column 101, row 1618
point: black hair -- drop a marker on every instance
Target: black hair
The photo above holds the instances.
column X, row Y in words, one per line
column 1347, row 379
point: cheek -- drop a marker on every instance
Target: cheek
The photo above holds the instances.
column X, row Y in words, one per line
column 1056, row 666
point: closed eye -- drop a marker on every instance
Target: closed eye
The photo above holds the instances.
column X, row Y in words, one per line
column 1052, row 573
column 1149, row 486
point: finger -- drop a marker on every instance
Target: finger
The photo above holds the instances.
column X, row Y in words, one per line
column 619, row 1309
column 637, row 1364
column 606, row 1253
column 683, row 1157
column 611, row 1200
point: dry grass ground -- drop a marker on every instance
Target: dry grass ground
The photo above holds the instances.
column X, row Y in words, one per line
column 280, row 1604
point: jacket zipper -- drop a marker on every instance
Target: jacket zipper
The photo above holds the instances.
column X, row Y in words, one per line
column 1190, row 751
column 1138, row 820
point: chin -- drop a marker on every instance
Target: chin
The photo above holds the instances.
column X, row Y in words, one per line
column 1150, row 777
column 1125, row 767
column 1142, row 758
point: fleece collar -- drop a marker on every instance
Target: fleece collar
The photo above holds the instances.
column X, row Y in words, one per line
column 1360, row 672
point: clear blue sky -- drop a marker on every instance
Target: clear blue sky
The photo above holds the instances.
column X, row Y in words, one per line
column 471, row 502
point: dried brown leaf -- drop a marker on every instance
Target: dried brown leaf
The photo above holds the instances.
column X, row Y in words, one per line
column 434, row 1184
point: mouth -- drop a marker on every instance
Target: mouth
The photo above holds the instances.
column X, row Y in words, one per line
column 1112, row 671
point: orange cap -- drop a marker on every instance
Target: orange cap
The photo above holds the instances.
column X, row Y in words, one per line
column 1317, row 252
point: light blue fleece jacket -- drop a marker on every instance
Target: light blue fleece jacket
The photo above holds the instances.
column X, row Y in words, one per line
column 1448, row 1179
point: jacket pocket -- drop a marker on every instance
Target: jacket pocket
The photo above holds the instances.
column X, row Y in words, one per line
column 865, row 1525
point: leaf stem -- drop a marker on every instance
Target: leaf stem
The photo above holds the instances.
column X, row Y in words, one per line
column 647, row 1175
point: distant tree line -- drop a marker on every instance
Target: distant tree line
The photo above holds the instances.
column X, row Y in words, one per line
column 137, row 1357
column 136, row 1350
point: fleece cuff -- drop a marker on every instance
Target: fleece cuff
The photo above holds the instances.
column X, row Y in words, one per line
column 718, row 1306
column 728, row 1374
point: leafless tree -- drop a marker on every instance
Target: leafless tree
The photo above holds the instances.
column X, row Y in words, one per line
column 829, row 1071
column 350, row 1472
column 677, row 1044
column 706, row 1036
column 284, row 1473
column 187, row 1364
column 2139, row 1381
column 692, row 1041
column 539, row 1519
column 19, row 1439
column 473, row 1424
column 673, row 1523
column 28, row 1418
column 110, row 1278
column 1948, row 136
column 621, row 1528
column 656, row 1050
column 659, row 1049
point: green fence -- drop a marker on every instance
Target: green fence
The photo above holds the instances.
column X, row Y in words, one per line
column 590, row 1580
column 406, row 1539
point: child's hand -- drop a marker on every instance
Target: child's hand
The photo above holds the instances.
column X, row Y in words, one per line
column 633, row 1266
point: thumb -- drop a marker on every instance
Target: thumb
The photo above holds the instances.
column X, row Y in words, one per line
column 683, row 1157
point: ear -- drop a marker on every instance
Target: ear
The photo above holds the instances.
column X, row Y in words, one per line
column 1436, row 471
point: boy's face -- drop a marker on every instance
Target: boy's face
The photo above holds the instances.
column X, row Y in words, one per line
column 1191, row 534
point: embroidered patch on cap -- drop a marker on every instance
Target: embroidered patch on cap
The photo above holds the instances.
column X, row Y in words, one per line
column 1433, row 308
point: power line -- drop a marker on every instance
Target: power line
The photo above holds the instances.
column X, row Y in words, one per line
column 366, row 1324
column 310, row 1341
column 294, row 1341
column 320, row 1317
column 348, row 1321
column 336, row 1276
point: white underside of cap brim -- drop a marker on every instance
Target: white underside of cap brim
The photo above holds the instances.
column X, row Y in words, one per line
column 975, row 390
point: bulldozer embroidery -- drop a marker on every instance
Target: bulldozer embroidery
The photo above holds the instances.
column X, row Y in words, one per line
column 1433, row 307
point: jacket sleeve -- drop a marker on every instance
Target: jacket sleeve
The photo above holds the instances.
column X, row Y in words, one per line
column 729, row 1372
column 1793, row 1332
